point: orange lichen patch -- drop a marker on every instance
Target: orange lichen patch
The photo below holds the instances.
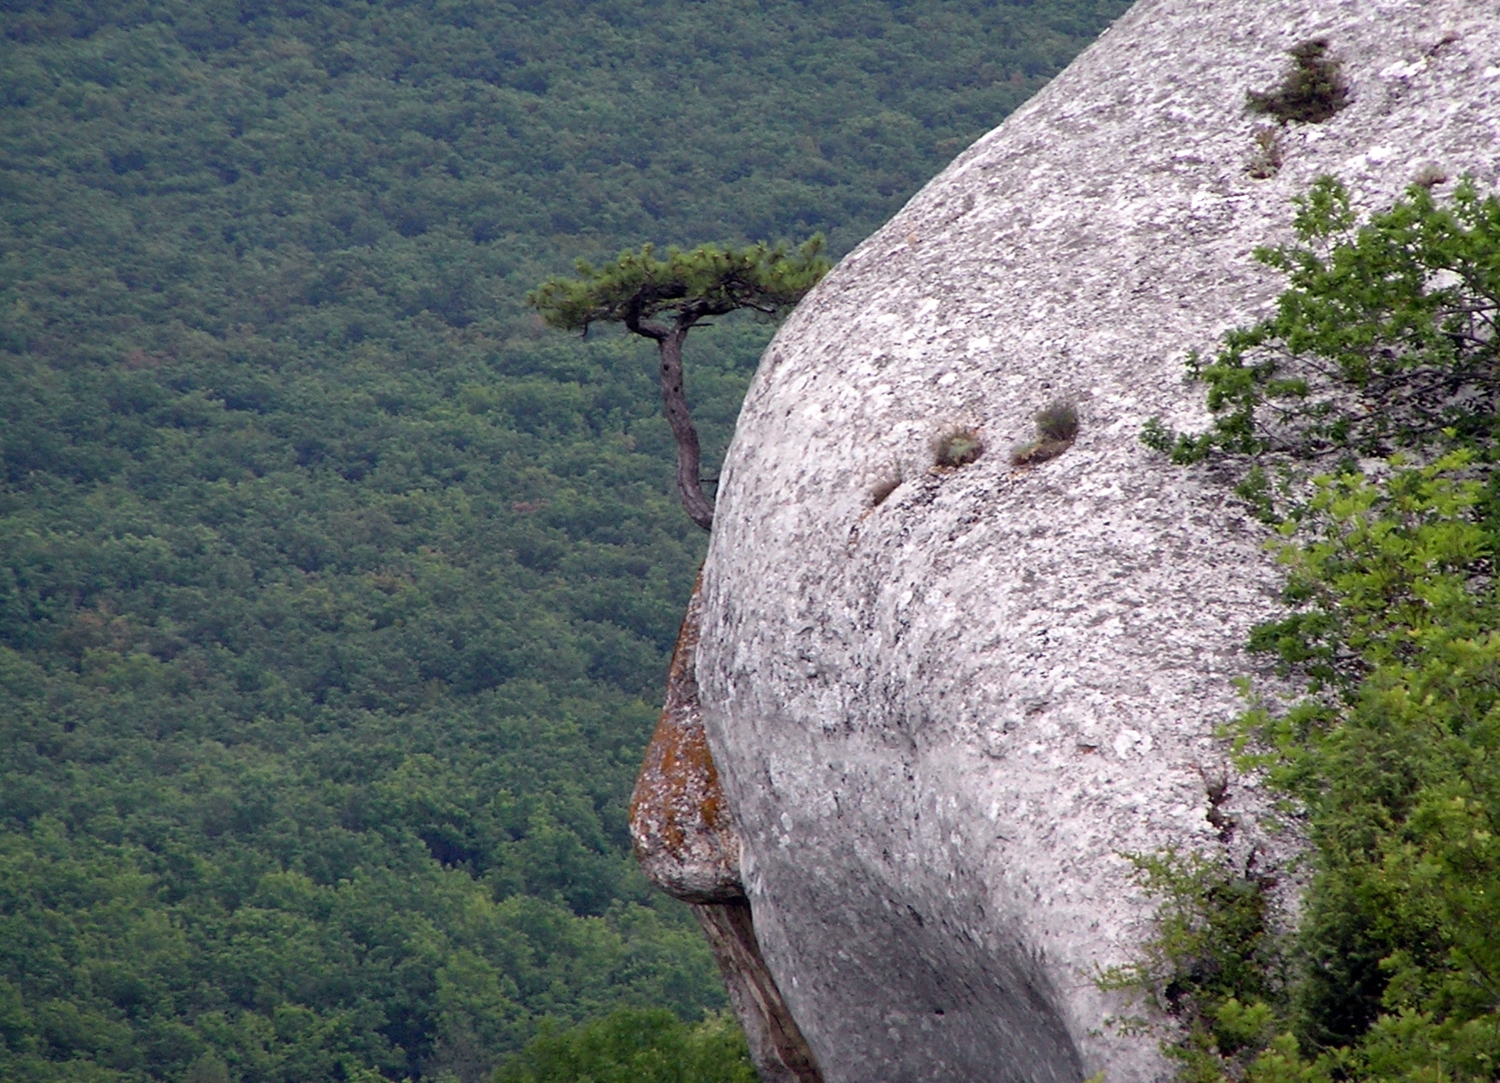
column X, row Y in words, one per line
column 687, row 845
column 684, row 837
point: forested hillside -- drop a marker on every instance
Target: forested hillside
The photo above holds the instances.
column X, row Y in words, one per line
column 335, row 591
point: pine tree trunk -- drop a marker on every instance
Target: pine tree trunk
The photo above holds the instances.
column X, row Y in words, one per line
column 689, row 484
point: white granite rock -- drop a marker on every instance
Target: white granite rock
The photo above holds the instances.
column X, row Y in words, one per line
column 940, row 720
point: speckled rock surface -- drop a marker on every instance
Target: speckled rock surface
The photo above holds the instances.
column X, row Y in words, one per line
column 940, row 719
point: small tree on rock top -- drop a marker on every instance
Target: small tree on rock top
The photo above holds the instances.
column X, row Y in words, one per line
column 664, row 299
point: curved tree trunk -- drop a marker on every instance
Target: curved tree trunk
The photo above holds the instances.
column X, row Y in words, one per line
column 689, row 484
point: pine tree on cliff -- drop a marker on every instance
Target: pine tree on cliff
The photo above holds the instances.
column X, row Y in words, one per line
column 664, row 299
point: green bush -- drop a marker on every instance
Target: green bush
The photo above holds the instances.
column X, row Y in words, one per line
column 1056, row 429
column 1392, row 758
column 635, row 1046
column 1383, row 341
column 1311, row 92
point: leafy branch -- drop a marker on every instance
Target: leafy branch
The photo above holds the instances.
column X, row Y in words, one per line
column 1383, row 345
column 1385, row 338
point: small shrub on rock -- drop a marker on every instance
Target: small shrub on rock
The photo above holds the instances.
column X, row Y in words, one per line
column 1268, row 157
column 957, row 447
column 1311, row 92
column 1056, row 429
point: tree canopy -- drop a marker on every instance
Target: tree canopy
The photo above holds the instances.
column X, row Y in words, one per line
column 635, row 1046
column 1385, row 339
column 637, row 287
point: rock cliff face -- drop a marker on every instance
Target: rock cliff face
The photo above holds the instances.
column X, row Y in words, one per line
column 942, row 702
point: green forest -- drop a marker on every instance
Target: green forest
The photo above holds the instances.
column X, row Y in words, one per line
column 336, row 591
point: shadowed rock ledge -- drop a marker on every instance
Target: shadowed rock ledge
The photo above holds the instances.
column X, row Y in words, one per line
column 942, row 702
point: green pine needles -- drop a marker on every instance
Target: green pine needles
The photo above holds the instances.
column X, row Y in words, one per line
column 663, row 299
column 637, row 286
column 1383, row 353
